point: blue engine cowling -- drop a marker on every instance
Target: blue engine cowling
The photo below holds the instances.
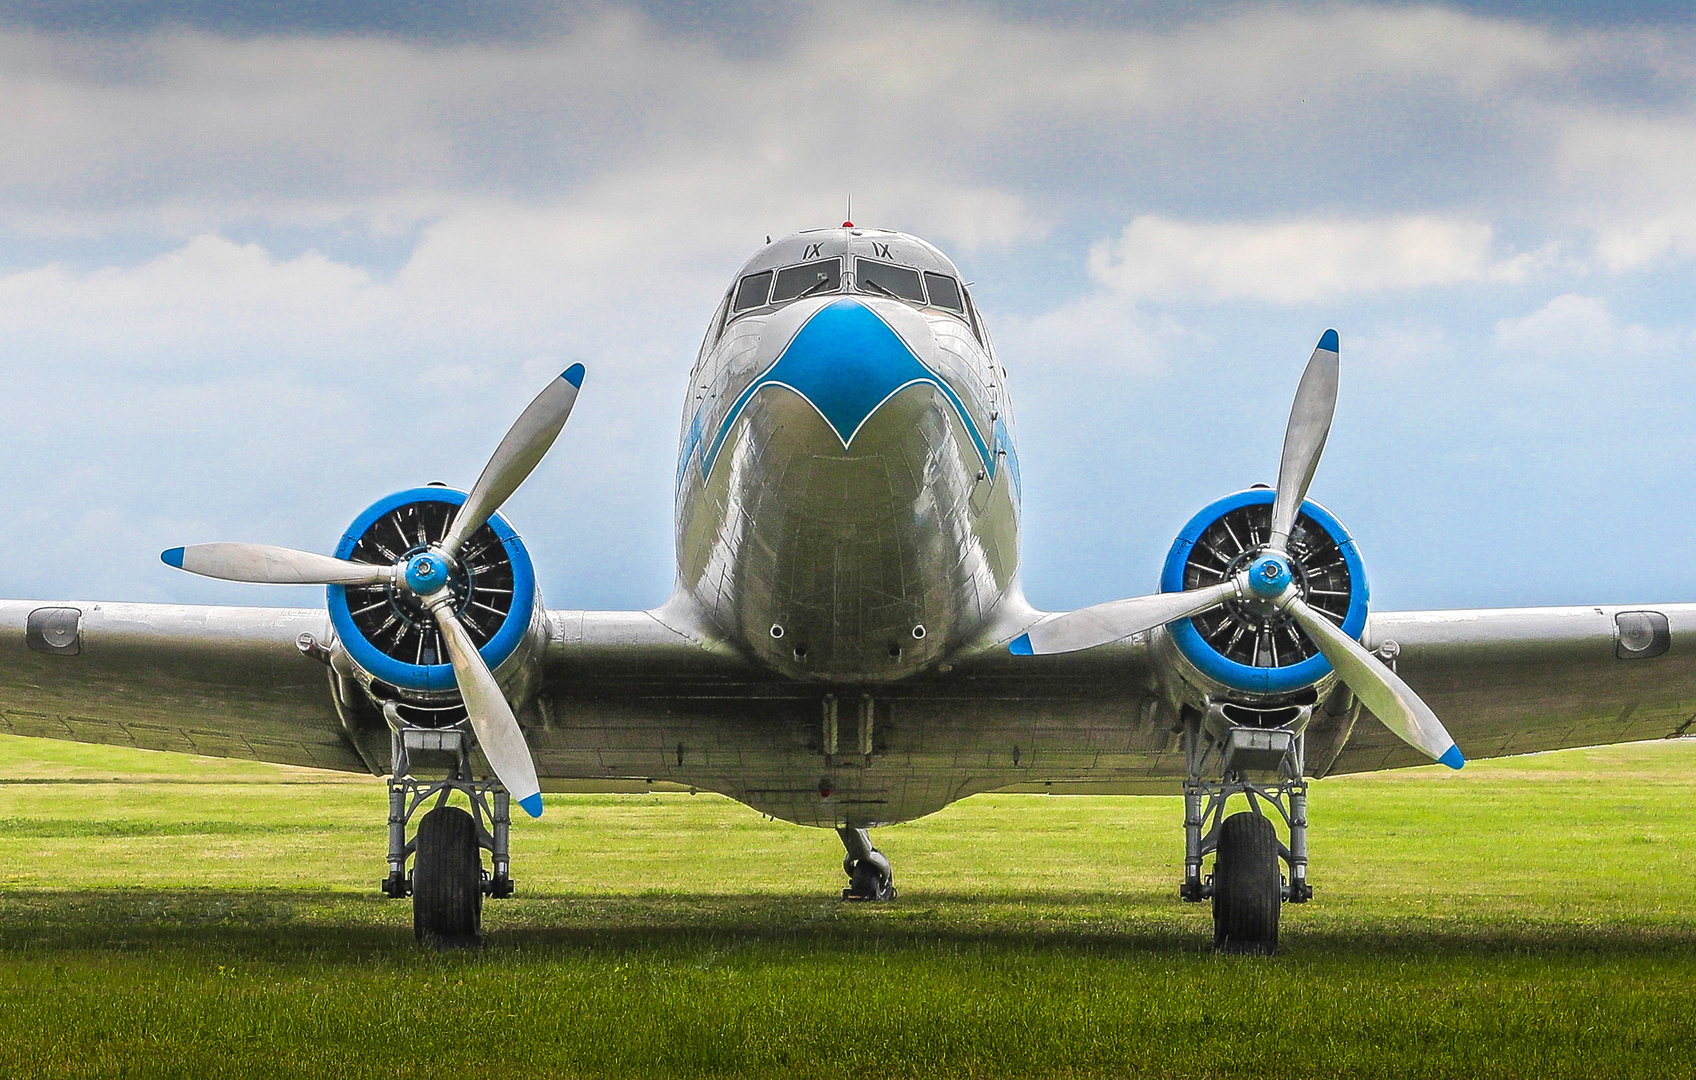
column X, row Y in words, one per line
column 387, row 633
column 1231, row 646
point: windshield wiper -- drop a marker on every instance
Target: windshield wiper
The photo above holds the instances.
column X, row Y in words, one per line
column 813, row 288
column 864, row 284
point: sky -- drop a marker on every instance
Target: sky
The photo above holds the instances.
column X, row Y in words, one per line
column 262, row 264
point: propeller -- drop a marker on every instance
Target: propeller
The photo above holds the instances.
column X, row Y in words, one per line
column 1379, row 689
column 1304, row 437
column 526, row 443
column 1268, row 583
column 1098, row 625
column 426, row 574
column 491, row 717
column 267, row 565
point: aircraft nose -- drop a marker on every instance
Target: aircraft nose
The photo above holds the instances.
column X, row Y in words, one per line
column 848, row 358
column 845, row 356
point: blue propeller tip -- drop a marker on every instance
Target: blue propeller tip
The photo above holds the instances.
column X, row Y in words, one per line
column 1021, row 646
column 1329, row 341
column 173, row 557
column 532, row 804
column 1452, row 758
column 573, row 375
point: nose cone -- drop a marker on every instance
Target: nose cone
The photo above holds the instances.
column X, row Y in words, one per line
column 426, row 573
column 1268, row 576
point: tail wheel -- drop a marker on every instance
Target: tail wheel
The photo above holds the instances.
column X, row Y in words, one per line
column 868, row 881
column 447, row 879
column 1247, row 886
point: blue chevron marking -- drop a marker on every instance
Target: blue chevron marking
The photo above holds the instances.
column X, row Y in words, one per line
column 846, row 362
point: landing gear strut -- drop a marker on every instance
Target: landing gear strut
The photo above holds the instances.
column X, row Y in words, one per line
column 869, row 874
column 1226, row 757
column 447, row 883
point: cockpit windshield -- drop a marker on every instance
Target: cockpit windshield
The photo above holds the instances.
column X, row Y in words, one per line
column 753, row 290
column 897, row 281
column 944, row 292
column 808, row 279
column 768, row 288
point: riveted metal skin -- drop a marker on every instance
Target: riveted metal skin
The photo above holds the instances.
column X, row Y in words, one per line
column 847, row 471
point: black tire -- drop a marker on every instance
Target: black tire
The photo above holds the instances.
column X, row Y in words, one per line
column 1247, row 887
column 447, row 880
column 867, row 881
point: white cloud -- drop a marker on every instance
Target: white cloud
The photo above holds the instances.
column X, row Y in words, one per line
column 1564, row 324
column 1298, row 261
column 1635, row 175
column 1575, row 332
column 585, row 197
column 209, row 296
column 1635, row 242
column 909, row 107
column 1091, row 334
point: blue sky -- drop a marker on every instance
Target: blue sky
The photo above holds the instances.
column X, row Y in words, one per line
column 261, row 265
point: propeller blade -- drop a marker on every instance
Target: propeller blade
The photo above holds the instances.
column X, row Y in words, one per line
column 267, row 565
column 1304, row 438
column 526, row 443
column 1378, row 688
column 1118, row 619
column 491, row 717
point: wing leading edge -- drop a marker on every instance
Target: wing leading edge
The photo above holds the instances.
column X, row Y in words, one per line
column 1522, row 680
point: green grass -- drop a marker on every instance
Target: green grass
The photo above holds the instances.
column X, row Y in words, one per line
column 171, row 916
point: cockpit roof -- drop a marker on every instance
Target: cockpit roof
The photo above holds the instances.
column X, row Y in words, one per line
column 885, row 244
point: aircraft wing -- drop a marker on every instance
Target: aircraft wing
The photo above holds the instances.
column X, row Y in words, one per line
column 232, row 682
column 218, row 681
column 1520, row 680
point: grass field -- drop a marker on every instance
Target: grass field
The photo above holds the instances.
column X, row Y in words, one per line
column 169, row 916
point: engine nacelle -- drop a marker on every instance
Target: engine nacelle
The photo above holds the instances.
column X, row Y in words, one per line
column 387, row 636
column 1232, row 652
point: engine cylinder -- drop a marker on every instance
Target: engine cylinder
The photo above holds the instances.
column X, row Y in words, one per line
column 1246, row 647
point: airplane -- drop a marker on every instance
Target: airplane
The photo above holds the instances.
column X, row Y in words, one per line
column 848, row 644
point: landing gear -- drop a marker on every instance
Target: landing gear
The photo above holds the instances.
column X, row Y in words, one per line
column 447, row 882
column 447, row 879
column 1259, row 756
column 869, row 874
column 1246, row 886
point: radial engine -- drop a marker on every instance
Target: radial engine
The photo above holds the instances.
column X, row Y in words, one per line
column 388, row 647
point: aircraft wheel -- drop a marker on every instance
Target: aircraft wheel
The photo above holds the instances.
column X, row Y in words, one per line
column 869, row 881
column 447, row 880
column 1247, row 887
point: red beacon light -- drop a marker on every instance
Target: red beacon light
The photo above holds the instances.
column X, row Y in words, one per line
column 847, row 224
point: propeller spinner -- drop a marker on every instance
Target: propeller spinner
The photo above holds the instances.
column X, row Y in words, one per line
column 427, row 574
column 1267, row 583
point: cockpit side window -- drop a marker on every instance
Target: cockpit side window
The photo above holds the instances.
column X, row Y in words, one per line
column 715, row 329
column 889, row 280
column 944, row 292
column 808, row 279
column 753, row 291
column 972, row 314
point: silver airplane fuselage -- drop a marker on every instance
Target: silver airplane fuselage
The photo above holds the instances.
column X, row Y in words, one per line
column 847, row 484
